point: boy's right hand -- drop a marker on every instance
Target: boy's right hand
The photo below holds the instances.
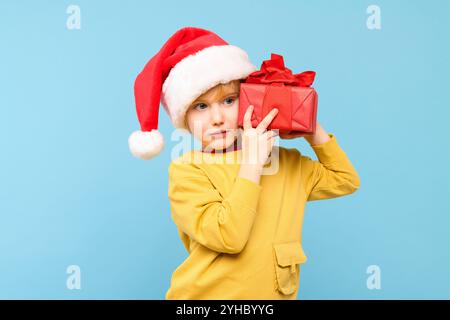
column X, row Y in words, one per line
column 257, row 142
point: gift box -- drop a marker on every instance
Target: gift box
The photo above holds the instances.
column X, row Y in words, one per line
column 274, row 86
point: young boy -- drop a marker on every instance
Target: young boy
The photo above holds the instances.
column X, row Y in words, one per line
column 242, row 228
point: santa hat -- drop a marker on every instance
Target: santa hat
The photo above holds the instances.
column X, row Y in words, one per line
column 191, row 62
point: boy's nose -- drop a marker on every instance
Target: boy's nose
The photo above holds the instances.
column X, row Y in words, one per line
column 216, row 116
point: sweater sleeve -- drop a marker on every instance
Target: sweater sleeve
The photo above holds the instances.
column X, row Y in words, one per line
column 219, row 222
column 333, row 175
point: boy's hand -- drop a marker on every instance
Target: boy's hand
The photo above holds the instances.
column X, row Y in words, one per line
column 307, row 136
column 293, row 136
column 257, row 142
column 320, row 136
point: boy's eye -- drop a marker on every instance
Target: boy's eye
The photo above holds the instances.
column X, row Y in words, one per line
column 229, row 100
column 200, row 106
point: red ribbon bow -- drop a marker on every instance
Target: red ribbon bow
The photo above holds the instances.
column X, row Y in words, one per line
column 274, row 71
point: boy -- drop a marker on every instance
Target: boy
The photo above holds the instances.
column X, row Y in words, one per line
column 242, row 228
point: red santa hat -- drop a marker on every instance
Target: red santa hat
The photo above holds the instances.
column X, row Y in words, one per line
column 192, row 61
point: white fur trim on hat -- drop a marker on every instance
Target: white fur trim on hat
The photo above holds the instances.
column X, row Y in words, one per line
column 146, row 144
column 199, row 72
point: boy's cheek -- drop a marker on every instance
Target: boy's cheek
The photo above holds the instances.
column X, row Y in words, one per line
column 233, row 117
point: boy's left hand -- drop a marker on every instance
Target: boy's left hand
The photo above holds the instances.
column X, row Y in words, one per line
column 307, row 136
column 320, row 136
column 293, row 136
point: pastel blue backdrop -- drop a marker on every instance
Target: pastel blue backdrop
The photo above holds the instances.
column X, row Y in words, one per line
column 72, row 194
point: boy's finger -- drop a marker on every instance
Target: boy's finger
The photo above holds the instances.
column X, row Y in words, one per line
column 267, row 120
column 247, row 117
column 271, row 134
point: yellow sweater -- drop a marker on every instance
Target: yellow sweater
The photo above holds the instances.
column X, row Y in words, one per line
column 243, row 238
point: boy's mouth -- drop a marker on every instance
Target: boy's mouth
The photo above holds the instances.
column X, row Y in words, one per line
column 218, row 133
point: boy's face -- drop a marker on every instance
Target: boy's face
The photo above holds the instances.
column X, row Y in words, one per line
column 207, row 118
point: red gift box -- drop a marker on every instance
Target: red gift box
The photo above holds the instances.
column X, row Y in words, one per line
column 274, row 86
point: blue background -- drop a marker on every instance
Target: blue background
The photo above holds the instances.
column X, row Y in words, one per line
column 72, row 194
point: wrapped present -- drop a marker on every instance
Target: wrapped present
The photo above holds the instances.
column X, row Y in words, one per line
column 274, row 86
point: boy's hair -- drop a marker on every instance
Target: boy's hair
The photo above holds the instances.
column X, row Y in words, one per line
column 216, row 93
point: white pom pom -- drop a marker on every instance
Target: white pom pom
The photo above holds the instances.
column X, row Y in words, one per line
column 145, row 144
